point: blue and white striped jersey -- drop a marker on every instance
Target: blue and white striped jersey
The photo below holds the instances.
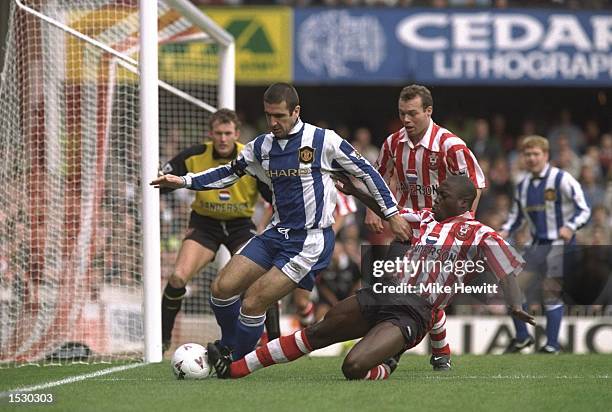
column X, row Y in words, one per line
column 549, row 202
column 298, row 172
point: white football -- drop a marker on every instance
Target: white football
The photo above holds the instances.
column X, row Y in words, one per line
column 190, row 361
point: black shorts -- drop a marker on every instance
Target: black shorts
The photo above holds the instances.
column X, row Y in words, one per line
column 411, row 313
column 211, row 233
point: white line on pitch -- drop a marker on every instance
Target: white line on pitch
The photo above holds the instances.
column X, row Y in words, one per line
column 72, row 379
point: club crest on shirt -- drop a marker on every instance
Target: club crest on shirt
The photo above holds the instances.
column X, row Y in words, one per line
column 306, row 154
column 357, row 155
column 550, row 195
column 463, row 232
column 433, row 161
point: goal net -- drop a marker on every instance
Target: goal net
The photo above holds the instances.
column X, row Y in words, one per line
column 70, row 202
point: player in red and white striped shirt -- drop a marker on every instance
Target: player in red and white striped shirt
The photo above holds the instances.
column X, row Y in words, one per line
column 391, row 324
column 420, row 156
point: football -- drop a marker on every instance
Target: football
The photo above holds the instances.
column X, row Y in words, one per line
column 190, row 361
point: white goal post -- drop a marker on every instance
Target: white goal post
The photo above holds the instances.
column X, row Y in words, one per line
column 79, row 122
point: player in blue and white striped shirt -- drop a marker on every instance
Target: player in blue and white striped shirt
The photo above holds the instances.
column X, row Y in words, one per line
column 553, row 204
column 295, row 161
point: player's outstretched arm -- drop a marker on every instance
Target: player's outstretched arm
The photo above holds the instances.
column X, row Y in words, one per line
column 169, row 181
column 346, row 186
column 399, row 226
column 512, row 294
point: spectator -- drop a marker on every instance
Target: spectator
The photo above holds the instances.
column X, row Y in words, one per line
column 362, row 141
column 482, row 144
column 593, row 192
column 569, row 130
column 605, row 154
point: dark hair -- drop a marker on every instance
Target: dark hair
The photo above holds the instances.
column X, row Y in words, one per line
column 224, row 116
column 414, row 90
column 463, row 187
column 282, row 92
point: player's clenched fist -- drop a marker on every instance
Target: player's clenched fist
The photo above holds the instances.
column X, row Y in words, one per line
column 171, row 181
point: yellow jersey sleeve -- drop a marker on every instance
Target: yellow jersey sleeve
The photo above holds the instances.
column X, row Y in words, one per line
column 236, row 201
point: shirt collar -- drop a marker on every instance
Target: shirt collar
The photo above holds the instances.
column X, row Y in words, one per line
column 296, row 128
column 424, row 140
column 232, row 155
column 467, row 215
column 543, row 173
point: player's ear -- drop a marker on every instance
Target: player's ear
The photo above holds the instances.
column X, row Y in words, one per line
column 429, row 110
column 297, row 109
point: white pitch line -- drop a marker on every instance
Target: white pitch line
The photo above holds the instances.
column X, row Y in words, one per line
column 71, row 379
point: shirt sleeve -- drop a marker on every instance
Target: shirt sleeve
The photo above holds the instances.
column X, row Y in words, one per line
column 515, row 218
column 385, row 161
column 414, row 218
column 346, row 158
column 178, row 164
column 224, row 175
column 501, row 258
column 461, row 161
column 572, row 191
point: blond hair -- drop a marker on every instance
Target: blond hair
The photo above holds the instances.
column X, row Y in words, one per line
column 536, row 141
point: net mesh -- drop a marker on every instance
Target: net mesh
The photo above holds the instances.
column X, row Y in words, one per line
column 70, row 224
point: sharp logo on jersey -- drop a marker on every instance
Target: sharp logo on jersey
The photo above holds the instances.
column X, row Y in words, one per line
column 224, row 195
column 550, row 195
column 306, row 154
column 288, row 172
column 434, row 161
column 463, row 232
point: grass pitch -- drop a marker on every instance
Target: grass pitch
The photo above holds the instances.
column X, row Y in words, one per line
column 477, row 383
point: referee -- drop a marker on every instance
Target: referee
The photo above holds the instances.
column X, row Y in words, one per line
column 553, row 204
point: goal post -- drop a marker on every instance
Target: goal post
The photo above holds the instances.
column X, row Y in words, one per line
column 75, row 206
column 149, row 146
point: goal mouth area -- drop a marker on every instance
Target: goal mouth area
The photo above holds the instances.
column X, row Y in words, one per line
column 71, row 214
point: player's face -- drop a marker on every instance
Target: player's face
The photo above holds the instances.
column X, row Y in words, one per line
column 224, row 136
column 446, row 203
column 535, row 159
column 280, row 119
column 414, row 117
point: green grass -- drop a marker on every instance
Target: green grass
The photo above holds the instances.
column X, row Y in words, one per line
column 522, row 382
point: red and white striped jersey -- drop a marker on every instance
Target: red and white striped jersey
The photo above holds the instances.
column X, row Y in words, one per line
column 463, row 249
column 422, row 167
column 345, row 205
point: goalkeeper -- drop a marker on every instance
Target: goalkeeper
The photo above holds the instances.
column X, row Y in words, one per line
column 217, row 216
